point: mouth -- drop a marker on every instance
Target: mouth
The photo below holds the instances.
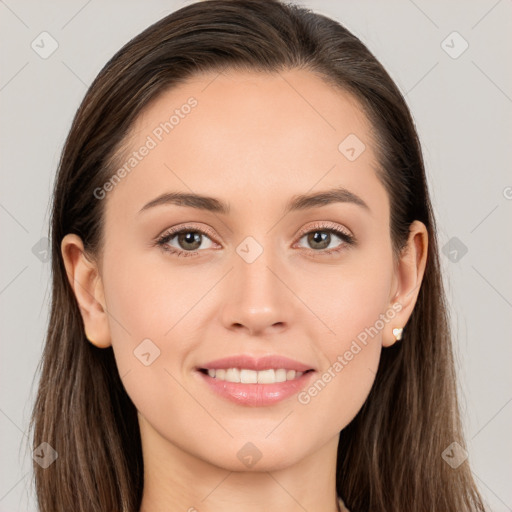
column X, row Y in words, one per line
column 247, row 376
column 255, row 382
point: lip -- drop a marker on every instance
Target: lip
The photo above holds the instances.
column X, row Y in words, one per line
column 256, row 395
column 261, row 363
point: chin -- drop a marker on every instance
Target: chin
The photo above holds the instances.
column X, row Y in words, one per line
column 258, row 455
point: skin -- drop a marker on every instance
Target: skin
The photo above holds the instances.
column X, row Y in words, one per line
column 254, row 141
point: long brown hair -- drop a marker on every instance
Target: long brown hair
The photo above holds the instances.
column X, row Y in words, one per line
column 390, row 455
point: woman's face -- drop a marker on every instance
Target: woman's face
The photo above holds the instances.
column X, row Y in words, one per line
column 261, row 269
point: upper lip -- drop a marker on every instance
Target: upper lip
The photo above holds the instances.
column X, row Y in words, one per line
column 253, row 363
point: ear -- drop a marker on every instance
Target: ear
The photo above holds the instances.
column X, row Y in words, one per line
column 407, row 280
column 85, row 280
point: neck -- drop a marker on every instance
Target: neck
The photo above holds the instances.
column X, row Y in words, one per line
column 177, row 480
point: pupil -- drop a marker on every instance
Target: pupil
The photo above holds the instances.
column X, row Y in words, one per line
column 321, row 238
column 190, row 237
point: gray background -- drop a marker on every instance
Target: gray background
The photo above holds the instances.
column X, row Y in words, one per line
column 462, row 107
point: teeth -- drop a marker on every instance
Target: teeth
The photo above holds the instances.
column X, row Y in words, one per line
column 248, row 376
column 232, row 375
column 266, row 377
column 281, row 375
column 252, row 376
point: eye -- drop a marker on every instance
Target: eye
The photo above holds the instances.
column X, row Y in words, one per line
column 323, row 238
column 186, row 241
column 327, row 238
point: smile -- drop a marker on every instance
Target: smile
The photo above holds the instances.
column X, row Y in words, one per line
column 255, row 394
column 246, row 376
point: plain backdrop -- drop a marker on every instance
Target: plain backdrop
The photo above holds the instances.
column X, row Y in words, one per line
column 451, row 59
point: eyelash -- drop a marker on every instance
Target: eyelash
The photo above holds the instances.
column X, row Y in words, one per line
column 166, row 237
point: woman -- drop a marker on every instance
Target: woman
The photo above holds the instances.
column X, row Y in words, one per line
column 248, row 312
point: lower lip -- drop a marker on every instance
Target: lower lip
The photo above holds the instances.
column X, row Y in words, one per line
column 257, row 395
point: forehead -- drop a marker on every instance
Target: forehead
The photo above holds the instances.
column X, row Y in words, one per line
column 224, row 134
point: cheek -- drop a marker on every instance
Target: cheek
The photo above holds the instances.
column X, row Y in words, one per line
column 360, row 307
column 148, row 298
column 351, row 299
column 147, row 311
column 351, row 359
column 154, row 310
column 354, row 306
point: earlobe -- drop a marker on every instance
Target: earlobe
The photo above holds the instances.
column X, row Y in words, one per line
column 85, row 280
column 409, row 276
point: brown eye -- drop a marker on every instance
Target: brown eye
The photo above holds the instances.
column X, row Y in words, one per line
column 189, row 240
column 322, row 239
column 319, row 239
column 185, row 242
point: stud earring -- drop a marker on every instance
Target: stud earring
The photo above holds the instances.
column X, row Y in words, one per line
column 397, row 333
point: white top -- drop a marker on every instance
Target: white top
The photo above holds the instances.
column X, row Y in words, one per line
column 341, row 505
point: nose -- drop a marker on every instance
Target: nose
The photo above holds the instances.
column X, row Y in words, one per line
column 257, row 299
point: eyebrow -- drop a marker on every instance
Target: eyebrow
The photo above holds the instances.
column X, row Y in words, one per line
column 297, row 202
